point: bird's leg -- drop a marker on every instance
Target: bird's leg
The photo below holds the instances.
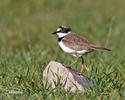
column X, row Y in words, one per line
column 80, row 73
column 74, row 61
column 82, row 65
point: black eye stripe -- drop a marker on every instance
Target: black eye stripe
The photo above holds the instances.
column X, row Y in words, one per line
column 65, row 29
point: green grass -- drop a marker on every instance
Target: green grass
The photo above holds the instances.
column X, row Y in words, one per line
column 27, row 46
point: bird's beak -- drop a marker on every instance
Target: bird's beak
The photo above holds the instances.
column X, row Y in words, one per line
column 56, row 32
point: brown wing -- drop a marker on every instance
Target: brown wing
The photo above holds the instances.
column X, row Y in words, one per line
column 76, row 42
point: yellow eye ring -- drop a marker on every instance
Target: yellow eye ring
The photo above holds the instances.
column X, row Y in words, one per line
column 62, row 30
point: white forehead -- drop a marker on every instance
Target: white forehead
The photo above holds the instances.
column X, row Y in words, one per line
column 58, row 29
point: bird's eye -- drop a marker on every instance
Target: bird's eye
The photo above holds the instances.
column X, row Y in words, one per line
column 62, row 30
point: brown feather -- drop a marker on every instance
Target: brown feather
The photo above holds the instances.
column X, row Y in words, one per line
column 100, row 48
column 76, row 42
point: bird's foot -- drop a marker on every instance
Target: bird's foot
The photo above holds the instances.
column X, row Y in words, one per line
column 79, row 73
column 66, row 66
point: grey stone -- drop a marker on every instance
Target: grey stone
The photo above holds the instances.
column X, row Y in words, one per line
column 69, row 77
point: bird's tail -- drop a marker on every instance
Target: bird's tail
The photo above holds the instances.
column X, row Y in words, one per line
column 99, row 48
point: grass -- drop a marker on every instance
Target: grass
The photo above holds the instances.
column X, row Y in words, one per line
column 27, row 46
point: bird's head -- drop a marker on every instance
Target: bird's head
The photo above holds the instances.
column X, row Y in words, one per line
column 62, row 31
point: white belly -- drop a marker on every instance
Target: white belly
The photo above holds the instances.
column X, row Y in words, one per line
column 66, row 49
column 71, row 51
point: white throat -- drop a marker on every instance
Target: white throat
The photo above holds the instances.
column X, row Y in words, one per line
column 63, row 34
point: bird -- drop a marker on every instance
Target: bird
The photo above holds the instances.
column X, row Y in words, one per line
column 76, row 45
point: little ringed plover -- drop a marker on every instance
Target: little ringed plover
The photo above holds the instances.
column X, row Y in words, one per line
column 75, row 44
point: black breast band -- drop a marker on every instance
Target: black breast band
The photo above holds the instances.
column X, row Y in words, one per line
column 59, row 39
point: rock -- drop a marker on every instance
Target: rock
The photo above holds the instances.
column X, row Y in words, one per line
column 69, row 77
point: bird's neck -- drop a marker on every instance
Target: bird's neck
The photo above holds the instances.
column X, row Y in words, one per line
column 60, row 35
column 60, row 39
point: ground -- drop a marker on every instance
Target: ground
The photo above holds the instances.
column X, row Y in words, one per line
column 27, row 46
